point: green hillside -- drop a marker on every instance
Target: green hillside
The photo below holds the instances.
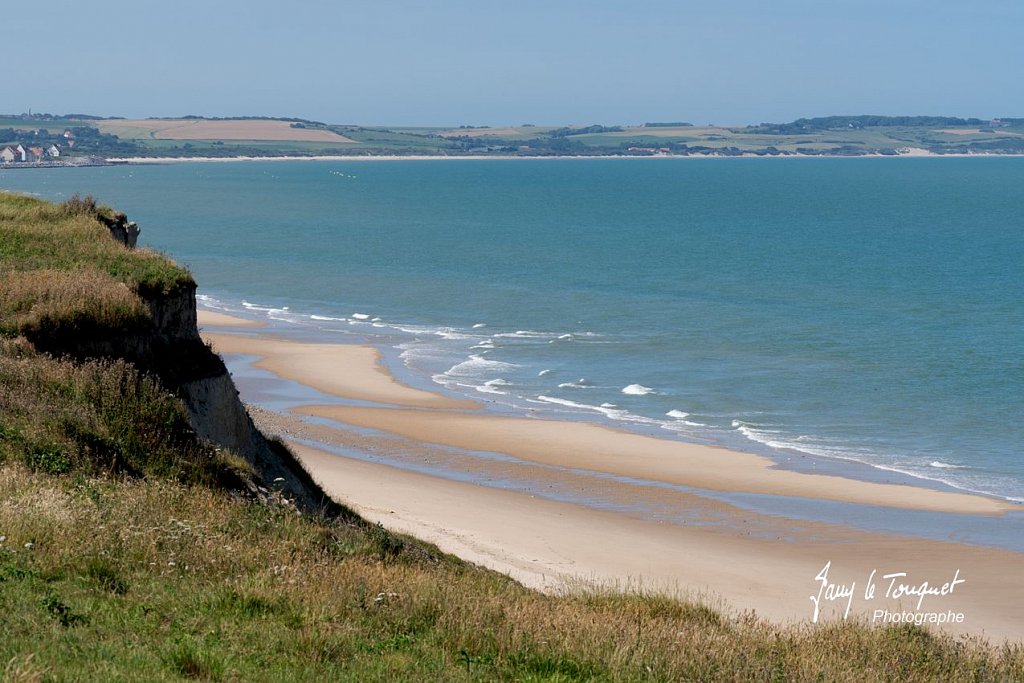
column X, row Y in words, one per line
column 833, row 136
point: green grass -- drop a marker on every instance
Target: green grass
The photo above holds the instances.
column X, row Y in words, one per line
column 152, row 580
column 37, row 235
column 57, row 126
column 99, row 417
column 65, row 284
column 281, row 147
column 127, row 132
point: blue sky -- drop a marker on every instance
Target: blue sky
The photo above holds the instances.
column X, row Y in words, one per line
column 498, row 62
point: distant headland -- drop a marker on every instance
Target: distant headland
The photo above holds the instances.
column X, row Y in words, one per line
column 34, row 140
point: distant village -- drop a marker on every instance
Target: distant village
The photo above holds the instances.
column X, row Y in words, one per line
column 20, row 153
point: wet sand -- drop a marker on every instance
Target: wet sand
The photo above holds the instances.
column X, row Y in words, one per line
column 346, row 370
column 215, row 319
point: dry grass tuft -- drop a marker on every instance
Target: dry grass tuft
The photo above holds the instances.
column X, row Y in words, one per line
column 100, row 416
column 41, row 301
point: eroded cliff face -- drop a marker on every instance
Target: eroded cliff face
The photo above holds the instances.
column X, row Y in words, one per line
column 167, row 344
column 199, row 377
column 174, row 313
column 217, row 415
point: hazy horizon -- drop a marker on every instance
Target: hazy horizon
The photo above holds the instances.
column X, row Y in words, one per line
column 400, row 63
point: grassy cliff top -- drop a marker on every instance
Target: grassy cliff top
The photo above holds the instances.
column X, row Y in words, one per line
column 59, row 268
column 42, row 236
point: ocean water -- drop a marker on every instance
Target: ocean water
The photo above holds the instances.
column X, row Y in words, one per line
column 867, row 310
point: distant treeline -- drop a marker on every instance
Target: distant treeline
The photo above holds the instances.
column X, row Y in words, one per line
column 290, row 119
column 53, row 117
column 588, row 130
column 668, row 124
column 824, row 123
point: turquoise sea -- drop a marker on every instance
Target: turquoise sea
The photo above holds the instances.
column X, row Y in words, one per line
column 867, row 310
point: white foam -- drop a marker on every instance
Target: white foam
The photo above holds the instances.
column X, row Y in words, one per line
column 451, row 333
column 486, row 344
column 946, row 465
column 765, row 436
column 258, row 307
column 544, row 373
column 525, row 334
column 909, row 471
column 680, row 426
column 360, row 316
column 677, row 414
column 614, row 414
column 212, row 303
column 411, row 330
column 637, row 390
column 477, row 326
column 581, row 383
column 272, row 313
column 477, row 365
column 489, row 387
column 328, row 318
column 771, row 438
column 608, row 405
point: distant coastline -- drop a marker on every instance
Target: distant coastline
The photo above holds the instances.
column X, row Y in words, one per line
column 42, row 140
column 509, row 157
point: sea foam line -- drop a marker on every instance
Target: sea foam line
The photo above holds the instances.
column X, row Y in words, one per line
column 477, row 365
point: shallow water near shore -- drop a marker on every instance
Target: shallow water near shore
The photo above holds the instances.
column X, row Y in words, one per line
column 821, row 311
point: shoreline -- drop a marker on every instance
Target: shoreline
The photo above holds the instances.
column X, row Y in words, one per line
column 510, row 157
column 553, row 534
column 794, row 461
column 594, row 448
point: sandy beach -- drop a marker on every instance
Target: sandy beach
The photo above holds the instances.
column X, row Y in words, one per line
column 565, row 502
column 215, row 319
column 596, row 448
column 348, row 371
